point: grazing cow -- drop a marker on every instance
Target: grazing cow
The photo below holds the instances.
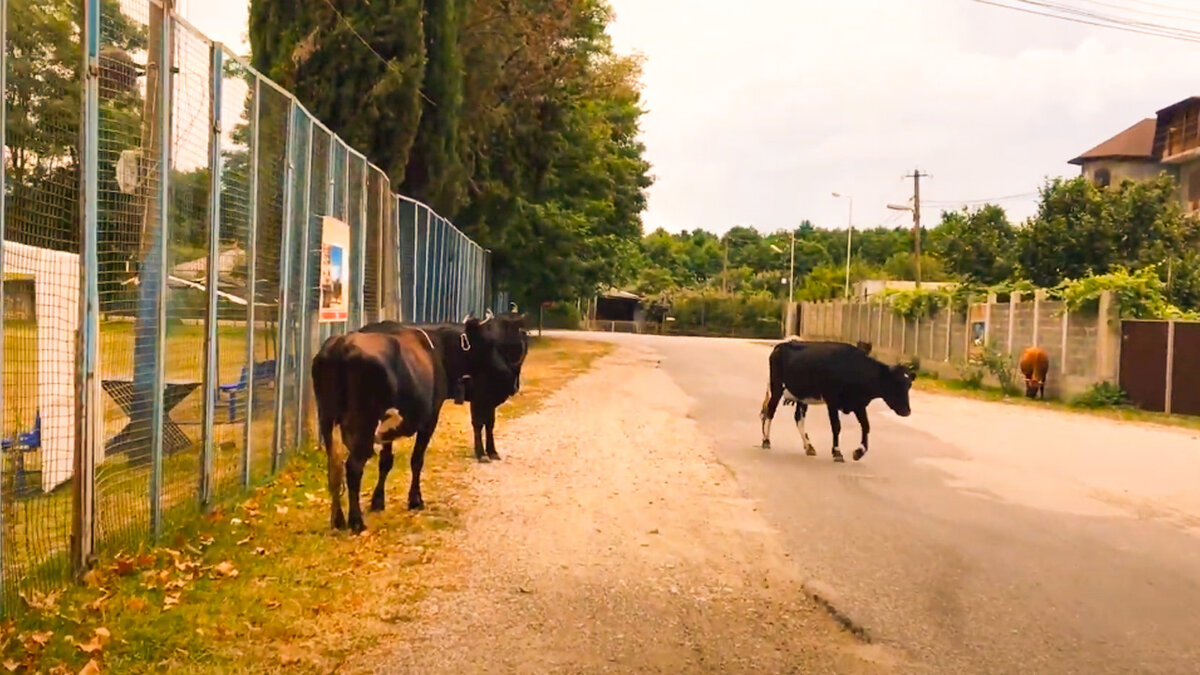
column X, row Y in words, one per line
column 1034, row 366
column 378, row 386
column 839, row 375
column 788, row 399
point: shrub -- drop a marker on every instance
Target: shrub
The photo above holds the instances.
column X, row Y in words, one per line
column 1101, row 395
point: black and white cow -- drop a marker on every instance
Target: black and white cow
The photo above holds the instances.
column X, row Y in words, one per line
column 839, row 375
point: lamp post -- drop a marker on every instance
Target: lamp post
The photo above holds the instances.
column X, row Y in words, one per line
column 849, row 233
column 916, row 236
column 791, row 266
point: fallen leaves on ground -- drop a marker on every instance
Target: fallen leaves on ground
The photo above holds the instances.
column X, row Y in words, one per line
column 92, row 668
column 224, row 569
column 100, row 637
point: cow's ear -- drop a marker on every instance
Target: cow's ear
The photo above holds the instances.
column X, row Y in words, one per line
column 472, row 325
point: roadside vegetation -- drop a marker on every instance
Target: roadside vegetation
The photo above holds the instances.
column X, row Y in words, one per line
column 260, row 583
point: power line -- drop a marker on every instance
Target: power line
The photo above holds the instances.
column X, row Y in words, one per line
column 386, row 63
column 937, row 202
column 1089, row 18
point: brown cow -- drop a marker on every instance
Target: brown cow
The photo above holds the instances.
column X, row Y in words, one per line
column 1034, row 366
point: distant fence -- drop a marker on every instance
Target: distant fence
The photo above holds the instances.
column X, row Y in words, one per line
column 1084, row 347
column 178, row 235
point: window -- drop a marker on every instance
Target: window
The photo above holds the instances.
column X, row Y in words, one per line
column 1101, row 178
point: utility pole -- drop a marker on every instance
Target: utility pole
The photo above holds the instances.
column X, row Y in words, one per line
column 916, row 175
column 725, row 270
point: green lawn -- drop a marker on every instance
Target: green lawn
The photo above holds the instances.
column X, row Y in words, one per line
column 37, row 525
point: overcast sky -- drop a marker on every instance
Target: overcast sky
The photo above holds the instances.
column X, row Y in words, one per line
column 759, row 109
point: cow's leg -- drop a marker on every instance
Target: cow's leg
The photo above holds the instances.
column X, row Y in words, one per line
column 490, row 425
column 478, row 420
column 769, row 406
column 835, row 425
column 335, row 458
column 861, row 450
column 417, row 462
column 361, row 449
column 386, row 460
column 801, row 411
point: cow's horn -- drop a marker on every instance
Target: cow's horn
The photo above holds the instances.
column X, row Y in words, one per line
column 512, row 307
column 488, row 314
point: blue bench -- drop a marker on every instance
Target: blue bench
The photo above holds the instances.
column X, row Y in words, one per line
column 264, row 372
column 28, row 441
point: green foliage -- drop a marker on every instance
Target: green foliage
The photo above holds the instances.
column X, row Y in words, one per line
column 978, row 246
column 1002, row 367
column 1138, row 295
column 916, row 303
column 971, row 374
column 1081, row 229
column 734, row 314
column 961, row 296
column 1101, row 395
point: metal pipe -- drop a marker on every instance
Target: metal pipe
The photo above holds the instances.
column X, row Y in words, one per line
column 212, row 273
column 251, row 282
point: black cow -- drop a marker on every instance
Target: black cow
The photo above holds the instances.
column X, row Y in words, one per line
column 838, row 374
column 380, row 385
column 484, row 391
column 485, row 394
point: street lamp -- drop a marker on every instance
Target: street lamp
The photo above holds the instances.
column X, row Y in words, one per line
column 849, row 232
column 791, row 266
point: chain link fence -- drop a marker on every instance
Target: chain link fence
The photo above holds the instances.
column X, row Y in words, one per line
column 179, row 234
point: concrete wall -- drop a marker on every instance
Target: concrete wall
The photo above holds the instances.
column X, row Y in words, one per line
column 1121, row 169
column 1087, row 352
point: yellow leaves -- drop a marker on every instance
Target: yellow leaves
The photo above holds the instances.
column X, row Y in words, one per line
column 224, row 570
column 92, row 668
column 171, row 600
column 41, row 602
column 100, row 637
column 135, row 605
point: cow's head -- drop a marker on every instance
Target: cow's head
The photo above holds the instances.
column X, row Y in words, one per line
column 512, row 341
column 1032, row 384
column 485, row 358
column 502, row 344
column 895, row 383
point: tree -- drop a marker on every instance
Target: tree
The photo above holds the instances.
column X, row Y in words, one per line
column 976, row 245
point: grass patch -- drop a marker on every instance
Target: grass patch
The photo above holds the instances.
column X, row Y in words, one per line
column 261, row 584
column 1082, row 406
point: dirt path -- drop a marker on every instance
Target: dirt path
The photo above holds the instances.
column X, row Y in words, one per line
column 610, row 540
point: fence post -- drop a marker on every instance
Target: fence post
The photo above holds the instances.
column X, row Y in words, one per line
column 1170, row 366
column 90, row 17
column 211, row 372
column 1038, row 297
column 1014, row 299
column 949, row 329
column 285, row 285
column 304, row 333
column 158, row 258
column 987, row 319
column 251, row 284
column 361, row 272
column 1066, row 314
column 1103, row 341
column 87, row 343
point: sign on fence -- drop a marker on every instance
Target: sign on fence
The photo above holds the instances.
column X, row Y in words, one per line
column 335, row 272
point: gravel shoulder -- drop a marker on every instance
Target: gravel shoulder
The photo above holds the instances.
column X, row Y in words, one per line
column 609, row 539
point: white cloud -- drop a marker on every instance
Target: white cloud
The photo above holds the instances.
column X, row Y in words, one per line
column 759, row 109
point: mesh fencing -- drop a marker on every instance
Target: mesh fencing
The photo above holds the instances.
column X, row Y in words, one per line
column 230, row 232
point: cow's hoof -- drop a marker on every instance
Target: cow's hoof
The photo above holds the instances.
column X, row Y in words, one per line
column 810, row 451
column 837, row 456
column 766, row 445
column 357, row 526
column 494, row 456
column 416, row 504
column 377, row 503
column 338, row 521
column 858, row 453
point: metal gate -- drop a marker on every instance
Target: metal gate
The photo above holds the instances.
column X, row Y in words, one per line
column 1144, row 363
column 1185, row 376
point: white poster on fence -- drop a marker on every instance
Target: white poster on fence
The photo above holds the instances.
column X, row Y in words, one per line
column 335, row 270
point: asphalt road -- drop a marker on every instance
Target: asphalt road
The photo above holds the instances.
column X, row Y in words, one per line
column 974, row 537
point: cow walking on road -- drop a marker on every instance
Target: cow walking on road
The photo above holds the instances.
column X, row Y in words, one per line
column 1035, row 364
column 839, row 375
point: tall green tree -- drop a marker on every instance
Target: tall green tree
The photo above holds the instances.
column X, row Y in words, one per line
column 977, row 245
